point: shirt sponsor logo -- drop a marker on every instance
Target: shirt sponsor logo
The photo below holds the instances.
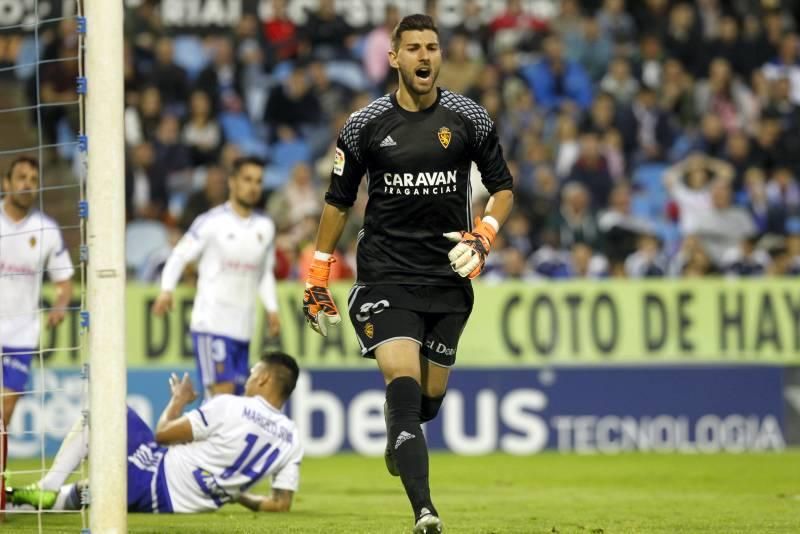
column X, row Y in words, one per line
column 338, row 162
column 444, row 136
column 421, row 183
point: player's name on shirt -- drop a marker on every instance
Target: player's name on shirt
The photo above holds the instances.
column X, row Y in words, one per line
column 269, row 426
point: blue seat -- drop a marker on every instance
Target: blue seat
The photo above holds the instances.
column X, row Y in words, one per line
column 142, row 239
column 650, row 176
column 190, row 54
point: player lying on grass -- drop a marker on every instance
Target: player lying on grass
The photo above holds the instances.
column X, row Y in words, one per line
column 198, row 461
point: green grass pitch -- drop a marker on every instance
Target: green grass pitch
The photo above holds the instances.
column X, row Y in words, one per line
column 547, row 493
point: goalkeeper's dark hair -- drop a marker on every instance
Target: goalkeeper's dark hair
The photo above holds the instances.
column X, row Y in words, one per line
column 238, row 163
column 30, row 160
column 416, row 22
column 285, row 369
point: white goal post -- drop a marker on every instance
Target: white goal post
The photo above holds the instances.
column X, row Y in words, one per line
column 106, row 266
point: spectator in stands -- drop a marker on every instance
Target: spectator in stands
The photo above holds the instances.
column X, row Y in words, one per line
column 726, row 97
column 620, row 227
column 782, row 190
column 221, row 78
column 57, row 81
column 557, row 81
column 569, row 25
column 329, row 35
column 781, row 106
column 683, row 37
column 593, row 49
column 711, row 137
column 647, row 132
column 515, row 27
column 141, row 121
column 145, row 184
column 650, row 15
column 745, row 259
column 724, row 226
column 616, row 23
column 566, row 144
column 377, row 43
column 201, row 133
column 586, row 263
column 676, row 94
column 591, row 169
column 650, row 60
column 574, row 222
column 331, row 95
column 786, row 65
column 648, row 261
column 768, row 218
column 281, row 35
column 691, row 260
column 688, row 183
column 458, row 72
column 170, row 79
column 618, row 81
column 298, row 199
column 172, row 158
column 793, row 247
column 143, row 25
column 213, row 193
column 739, row 154
column 473, row 26
column 292, row 104
column 729, row 46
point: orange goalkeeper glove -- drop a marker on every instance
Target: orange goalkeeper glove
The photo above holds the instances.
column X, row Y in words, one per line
column 318, row 305
column 468, row 257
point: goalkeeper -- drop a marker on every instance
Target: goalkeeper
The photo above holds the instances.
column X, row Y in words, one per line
column 418, row 249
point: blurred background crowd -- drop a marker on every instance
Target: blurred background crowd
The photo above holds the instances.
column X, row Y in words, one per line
column 647, row 138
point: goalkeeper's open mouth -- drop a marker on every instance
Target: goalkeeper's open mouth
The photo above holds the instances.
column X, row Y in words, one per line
column 423, row 73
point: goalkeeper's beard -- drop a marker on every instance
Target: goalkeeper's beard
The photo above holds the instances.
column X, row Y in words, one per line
column 407, row 81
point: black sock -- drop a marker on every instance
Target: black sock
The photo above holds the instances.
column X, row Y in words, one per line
column 403, row 396
column 430, row 408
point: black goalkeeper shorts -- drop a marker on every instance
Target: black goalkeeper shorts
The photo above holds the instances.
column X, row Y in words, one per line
column 433, row 316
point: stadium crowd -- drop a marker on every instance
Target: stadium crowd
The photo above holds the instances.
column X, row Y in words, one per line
column 648, row 138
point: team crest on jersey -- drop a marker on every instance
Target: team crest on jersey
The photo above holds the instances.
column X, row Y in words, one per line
column 369, row 330
column 260, row 237
column 444, row 136
column 32, row 241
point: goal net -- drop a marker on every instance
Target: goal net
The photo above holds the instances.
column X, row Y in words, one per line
column 59, row 100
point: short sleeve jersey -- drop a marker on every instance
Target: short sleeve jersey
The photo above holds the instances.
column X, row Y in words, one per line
column 237, row 441
column 417, row 166
column 28, row 248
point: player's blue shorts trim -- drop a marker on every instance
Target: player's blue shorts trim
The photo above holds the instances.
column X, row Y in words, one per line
column 221, row 359
column 17, row 367
column 147, row 482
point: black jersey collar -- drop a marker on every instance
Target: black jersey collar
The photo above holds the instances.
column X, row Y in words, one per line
column 416, row 115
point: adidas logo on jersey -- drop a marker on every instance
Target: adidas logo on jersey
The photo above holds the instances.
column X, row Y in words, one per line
column 402, row 438
column 387, row 141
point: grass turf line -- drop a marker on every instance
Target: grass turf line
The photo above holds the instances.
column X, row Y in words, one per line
column 546, row 493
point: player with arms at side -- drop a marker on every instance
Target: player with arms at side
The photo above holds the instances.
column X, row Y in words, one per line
column 30, row 241
column 208, row 457
column 413, row 294
column 236, row 247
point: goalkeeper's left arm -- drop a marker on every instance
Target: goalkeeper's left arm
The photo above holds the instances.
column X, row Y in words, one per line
column 279, row 501
column 468, row 256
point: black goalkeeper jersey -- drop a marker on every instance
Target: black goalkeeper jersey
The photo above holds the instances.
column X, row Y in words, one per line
column 418, row 180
